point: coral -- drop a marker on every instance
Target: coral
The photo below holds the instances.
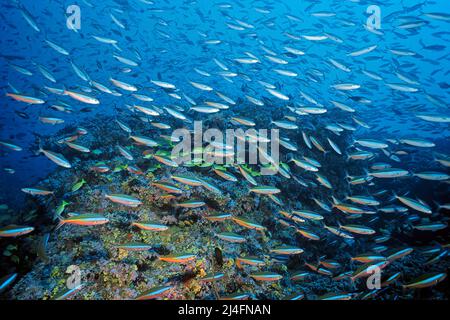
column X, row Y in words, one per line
column 111, row 273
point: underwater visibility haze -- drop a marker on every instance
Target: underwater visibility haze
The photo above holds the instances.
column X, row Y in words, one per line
column 253, row 149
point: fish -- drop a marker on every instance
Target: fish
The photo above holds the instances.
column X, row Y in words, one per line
column 285, row 124
column 51, row 120
column 7, row 281
column 418, row 143
column 389, row 173
column 359, row 229
column 398, row 253
column 147, row 111
column 346, row 86
column 249, row 260
column 25, row 99
column 55, row 157
column 300, row 275
column 259, row 148
column 60, row 209
column 12, row 231
column 150, row 226
column 218, row 217
column 81, row 97
column 364, row 200
column 434, row 118
column 162, row 84
column 155, row 292
column 125, row 153
column 37, row 191
column 126, row 61
column 167, row 187
column 134, row 246
column 65, row 295
column 372, row 143
column 335, row 296
column 418, row 205
column 178, row 258
column 144, row 141
column 11, row 146
column 77, row 147
column 431, row 226
column 287, row 250
column 191, row 204
column 368, row 257
column 307, row 214
column 231, row 237
column 367, row 269
column 266, row 276
column 201, row 86
column 363, row 51
column 124, row 199
column 244, row 222
column 123, row 126
column 212, row 277
column 338, row 232
column 123, row 85
column 265, row 190
column 82, row 219
column 304, row 165
column 426, row 280
column 77, row 186
column 225, row 175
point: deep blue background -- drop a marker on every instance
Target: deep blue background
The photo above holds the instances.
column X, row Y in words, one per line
column 175, row 60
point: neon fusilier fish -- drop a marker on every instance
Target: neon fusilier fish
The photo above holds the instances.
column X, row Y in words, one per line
column 124, row 199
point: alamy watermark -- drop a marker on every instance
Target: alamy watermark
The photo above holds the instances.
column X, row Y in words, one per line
column 74, row 280
column 374, row 280
column 73, row 20
column 374, row 20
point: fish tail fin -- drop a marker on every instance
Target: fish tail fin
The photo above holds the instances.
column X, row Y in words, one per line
column 335, row 201
column 347, row 176
column 366, row 172
column 434, row 156
column 347, row 157
column 289, row 157
column 39, row 150
column 117, row 47
column 61, row 222
column 438, row 206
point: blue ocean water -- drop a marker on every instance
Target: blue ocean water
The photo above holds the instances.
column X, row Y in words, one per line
column 403, row 75
column 179, row 48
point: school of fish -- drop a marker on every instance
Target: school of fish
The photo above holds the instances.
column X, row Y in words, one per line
column 361, row 184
